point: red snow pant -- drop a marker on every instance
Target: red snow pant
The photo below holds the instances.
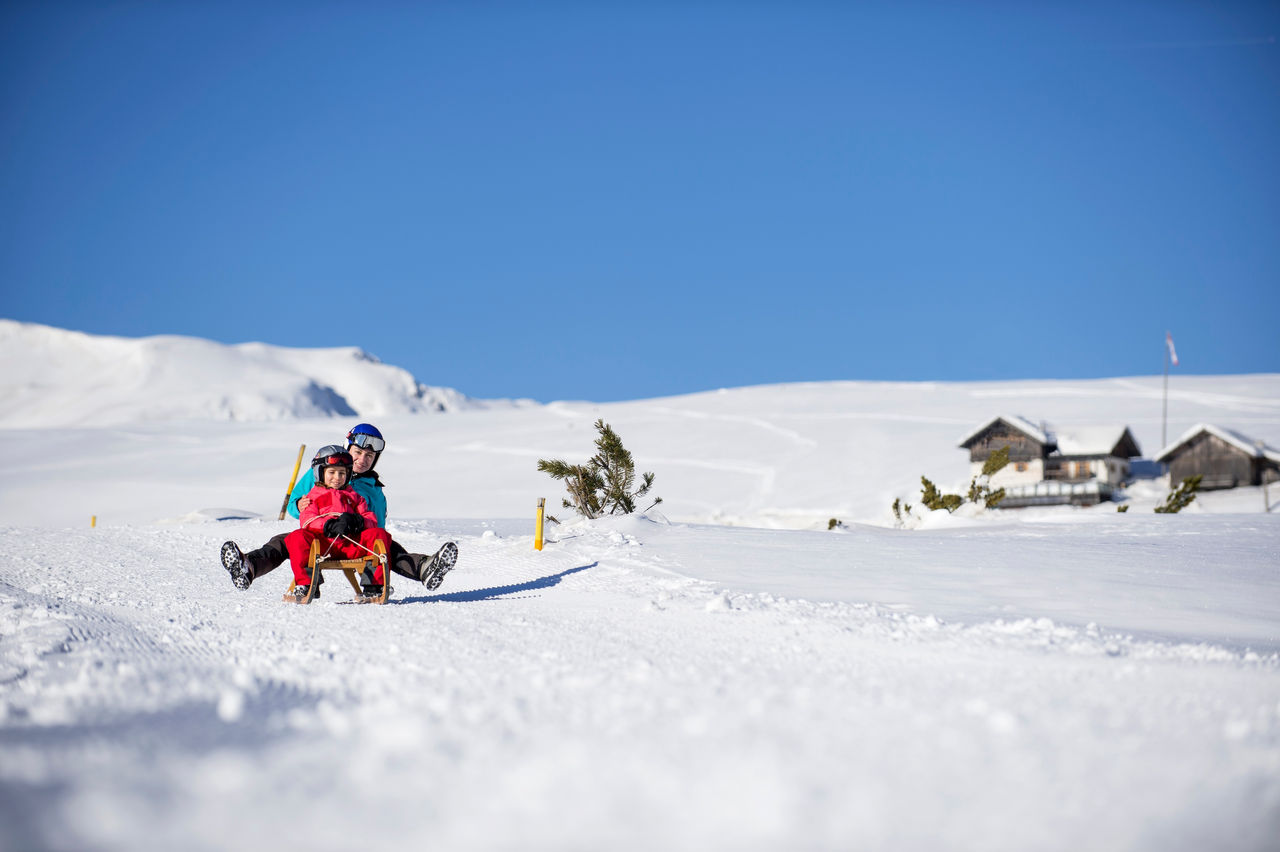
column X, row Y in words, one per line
column 298, row 543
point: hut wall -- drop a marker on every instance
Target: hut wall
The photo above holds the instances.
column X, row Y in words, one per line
column 1021, row 446
column 1221, row 465
column 1117, row 470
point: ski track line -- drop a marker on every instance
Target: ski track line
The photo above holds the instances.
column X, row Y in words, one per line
column 1233, row 402
column 665, row 413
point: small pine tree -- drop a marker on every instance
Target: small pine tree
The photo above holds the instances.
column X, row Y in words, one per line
column 933, row 499
column 605, row 485
column 980, row 492
column 1123, row 507
column 1183, row 497
column 929, row 494
column 979, row 488
column 996, row 462
column 581, row 481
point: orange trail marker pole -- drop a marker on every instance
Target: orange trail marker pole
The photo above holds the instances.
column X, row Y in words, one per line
column 537, row 535
column 293, row 480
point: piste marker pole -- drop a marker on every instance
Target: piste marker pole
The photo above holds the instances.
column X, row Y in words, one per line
column 293, row 480
column 537, row 533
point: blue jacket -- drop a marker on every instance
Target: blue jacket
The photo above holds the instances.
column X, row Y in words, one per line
column 367, row 485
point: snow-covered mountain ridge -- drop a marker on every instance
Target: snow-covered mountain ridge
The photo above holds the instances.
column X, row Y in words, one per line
column 54, row 377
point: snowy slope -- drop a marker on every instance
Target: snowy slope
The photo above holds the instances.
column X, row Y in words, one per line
column 641, row 686
column 789, row 456
column 1056, row 679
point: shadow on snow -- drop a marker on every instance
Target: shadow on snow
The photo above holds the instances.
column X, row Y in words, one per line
column 496, row 592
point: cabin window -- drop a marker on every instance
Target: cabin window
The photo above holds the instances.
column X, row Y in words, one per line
column 1021, row 467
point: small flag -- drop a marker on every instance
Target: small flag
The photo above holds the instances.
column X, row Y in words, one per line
column 1173, row 353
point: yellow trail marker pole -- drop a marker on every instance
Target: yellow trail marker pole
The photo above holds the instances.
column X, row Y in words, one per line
column 293, row 480
column 93, row 521
column 537, row 535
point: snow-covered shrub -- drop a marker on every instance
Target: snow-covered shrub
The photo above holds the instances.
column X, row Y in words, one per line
column 980, row 492
column 1183, row 497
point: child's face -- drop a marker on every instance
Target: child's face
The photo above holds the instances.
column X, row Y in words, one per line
column 335, row 477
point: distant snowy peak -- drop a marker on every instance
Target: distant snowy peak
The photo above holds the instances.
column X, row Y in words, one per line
column 54, row 377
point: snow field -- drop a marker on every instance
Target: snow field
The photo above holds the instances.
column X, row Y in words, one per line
column 1047, row 679
column 787, row 456
column 597, row 695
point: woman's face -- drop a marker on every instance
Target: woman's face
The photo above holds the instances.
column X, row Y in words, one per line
column 363, row 458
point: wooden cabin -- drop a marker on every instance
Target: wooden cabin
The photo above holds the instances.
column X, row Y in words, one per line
column 1082, row 467
column 1221, row 457
column 1029, row 446
column 1093, row 452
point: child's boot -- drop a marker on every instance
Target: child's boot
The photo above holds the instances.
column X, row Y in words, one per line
column 300, row 593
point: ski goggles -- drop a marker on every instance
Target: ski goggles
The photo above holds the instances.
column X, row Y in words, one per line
column 369, row 442
column 335, row 460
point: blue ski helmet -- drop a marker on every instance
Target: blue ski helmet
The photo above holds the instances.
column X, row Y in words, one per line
column 367, row 435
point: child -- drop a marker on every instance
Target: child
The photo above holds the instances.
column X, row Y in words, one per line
column 337, row 516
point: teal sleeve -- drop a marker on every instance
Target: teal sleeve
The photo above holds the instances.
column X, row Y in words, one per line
column 305, row 484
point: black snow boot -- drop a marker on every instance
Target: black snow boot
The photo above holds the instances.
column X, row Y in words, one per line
column 237, row 565
column 431, row 569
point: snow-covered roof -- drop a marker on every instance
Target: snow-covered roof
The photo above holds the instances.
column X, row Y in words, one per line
column 1244, row 443
column 1022, row 424
column 1093, row 440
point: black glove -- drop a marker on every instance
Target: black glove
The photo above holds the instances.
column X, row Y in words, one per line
column 350, row 524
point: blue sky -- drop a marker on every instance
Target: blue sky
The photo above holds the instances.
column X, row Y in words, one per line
column 614, row 201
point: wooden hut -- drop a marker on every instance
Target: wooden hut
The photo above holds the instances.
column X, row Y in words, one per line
column 1029, row 445
column 1221, row 457
column 1093, row 452
column 1082, row 467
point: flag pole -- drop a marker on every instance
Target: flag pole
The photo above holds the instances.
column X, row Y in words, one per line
column 1164, row 413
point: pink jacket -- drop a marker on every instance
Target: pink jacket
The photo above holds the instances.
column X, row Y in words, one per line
column 328, row 503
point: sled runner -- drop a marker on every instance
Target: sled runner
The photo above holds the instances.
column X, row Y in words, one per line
column 364, row 566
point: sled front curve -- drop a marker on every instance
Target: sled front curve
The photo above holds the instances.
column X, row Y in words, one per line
column 350, row 568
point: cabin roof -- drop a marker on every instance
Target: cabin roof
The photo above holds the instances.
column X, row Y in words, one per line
column 1243, row 443
column 1098, row 441
column 1022, row 424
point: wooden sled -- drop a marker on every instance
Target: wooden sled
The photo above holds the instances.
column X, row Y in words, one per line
column 350, row 569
